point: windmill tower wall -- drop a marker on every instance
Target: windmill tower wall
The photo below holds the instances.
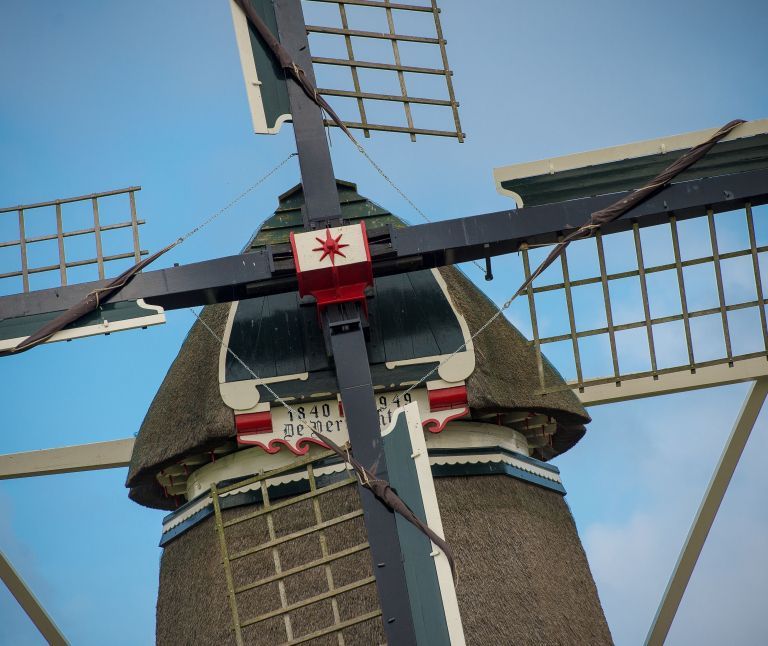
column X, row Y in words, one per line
column 523, row 575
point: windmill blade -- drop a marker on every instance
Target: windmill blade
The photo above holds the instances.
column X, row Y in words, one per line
column 423, row 109
column 47, row 242
column 397, row 250
column 633, row 311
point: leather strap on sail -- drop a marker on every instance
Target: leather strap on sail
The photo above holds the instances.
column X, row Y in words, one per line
column 90, row 303
column 620, row 207
column 383, row 491
column 289, row 66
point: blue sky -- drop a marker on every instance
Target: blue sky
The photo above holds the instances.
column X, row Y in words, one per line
column 99, row 96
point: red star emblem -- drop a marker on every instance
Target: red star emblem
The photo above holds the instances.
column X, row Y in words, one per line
column 330, row 246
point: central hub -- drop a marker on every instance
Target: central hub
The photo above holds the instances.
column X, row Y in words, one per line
column 330, row 246
column 334, row 266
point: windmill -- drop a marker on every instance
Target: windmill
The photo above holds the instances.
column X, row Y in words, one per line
column 406, row 241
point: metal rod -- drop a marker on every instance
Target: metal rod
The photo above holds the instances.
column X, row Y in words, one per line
column 97, row 233
column 134, row 226
column 306, row 602
column 656, row 321
column 69, row 234
column 607, row 302
column 400, row 74
column 23, row 251
column 649, row 270
column 644, row 293
column 737, row 378
column 534, row 324
column 681, row 287
column 316, row 29
column 73, row 263
column 292, row 466
column 379, row 3
column 332, row 629
column 705, row 516
column 227, row 566
column 571, row 317
column 353, row 70
column 60, row 238
column 303, row 532
column 372, row 126
column 329, row 558
column 30, row 604
column 383, row 97
column 753, row 249
column 324, row 552
column 290, row 501
column 323, row 60
column 67, row 200
column 719, row 280
column 278, row 568
column 448, row 73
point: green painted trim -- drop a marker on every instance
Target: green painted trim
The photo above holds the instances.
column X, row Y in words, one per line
column 737, row 156
column 421, row 575
column 274, row 86
column 23, row 326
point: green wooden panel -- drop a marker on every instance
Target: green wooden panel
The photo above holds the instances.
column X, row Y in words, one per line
column 288, row 216
column 728, row 157
column 274, row 89
column 424, row 593
column 113, row 312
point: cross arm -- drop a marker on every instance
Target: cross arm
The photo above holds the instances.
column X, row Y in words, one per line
column 398, row 250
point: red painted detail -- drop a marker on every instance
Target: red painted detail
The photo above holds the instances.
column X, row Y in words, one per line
column 435, row 425
column 447, row 398
column 331, row 246
column 254, row 422
column 335, row 283
column 341, row 408
column 273, row 446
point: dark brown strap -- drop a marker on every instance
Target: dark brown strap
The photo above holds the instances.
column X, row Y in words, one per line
column 90, row 303
column 619, row 208
column 288, row 64
column 382, row 490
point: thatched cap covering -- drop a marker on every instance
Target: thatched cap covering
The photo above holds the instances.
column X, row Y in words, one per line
column 188, row 415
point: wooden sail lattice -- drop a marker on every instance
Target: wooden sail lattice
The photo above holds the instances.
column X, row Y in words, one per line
column 724, row 252
column 20, row 247
column 407, row 68
column 283, row 547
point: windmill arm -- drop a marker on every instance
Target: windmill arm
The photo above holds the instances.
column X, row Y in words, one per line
column 398, row 250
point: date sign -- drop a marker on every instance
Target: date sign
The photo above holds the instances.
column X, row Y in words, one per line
column 276, row 427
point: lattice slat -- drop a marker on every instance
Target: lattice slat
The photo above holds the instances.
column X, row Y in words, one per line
column 276, row 543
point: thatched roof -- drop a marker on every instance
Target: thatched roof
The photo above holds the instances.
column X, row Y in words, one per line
column 189, row 416
column 523, row 577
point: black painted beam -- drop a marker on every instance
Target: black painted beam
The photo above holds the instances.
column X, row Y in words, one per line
column 395, row 251
column 353, row 373
column 319, row 183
